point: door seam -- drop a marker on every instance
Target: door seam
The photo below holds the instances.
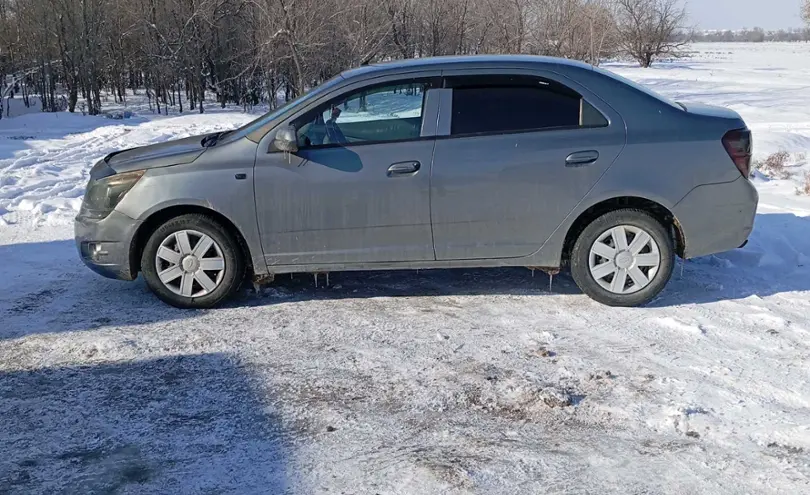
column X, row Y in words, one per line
column 430, row 198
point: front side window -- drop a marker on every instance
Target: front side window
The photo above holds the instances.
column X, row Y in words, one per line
column 505, row 104
column 382, row 113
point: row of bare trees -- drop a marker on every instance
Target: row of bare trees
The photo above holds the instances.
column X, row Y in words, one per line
column 184, row 53
column 755, row 35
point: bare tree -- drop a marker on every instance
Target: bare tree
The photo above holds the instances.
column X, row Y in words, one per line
column 509, row 25
column 362, row 33
column 578, row 29
column 601, row 30
column 806, row 11
column 647, row 28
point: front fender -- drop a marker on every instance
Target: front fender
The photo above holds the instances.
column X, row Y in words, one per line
column 218, row 182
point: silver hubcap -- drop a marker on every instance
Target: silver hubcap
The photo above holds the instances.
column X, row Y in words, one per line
column 624, row 259
column 190, row 263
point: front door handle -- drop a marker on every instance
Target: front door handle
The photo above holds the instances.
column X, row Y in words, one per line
column 404, row 169
column 581, row 158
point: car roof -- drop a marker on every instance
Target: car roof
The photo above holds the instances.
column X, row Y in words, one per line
column 460, row 62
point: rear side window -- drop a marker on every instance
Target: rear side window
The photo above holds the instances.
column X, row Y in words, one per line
column 505, row 104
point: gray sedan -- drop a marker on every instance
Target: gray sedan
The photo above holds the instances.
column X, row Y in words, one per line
column 432, row 163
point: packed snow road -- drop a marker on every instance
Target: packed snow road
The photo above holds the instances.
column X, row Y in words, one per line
column 468, row 381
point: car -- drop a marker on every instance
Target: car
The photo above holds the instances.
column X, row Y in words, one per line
column 446, row 162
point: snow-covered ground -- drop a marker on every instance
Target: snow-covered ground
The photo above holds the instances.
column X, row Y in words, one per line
column 463, row 381
column 15, row 107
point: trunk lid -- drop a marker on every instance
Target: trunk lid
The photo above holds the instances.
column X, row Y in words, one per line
column 715, row 112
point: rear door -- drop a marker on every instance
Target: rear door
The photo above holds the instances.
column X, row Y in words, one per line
column 518, row 153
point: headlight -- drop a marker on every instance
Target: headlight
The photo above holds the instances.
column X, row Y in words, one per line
column 104, row 194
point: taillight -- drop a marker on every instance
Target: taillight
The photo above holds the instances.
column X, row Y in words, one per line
column 738, row 145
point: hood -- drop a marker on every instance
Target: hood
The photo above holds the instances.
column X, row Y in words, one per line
column 177, row 152
column 714, row 112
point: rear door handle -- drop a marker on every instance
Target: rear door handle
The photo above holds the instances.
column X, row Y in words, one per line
column 404, row 169
column 581, row 158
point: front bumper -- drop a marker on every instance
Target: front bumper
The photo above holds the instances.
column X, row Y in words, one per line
column 716, row 218
column 105, row 245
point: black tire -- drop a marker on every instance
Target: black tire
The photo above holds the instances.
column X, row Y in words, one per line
column 234, row 271
column 580, row 267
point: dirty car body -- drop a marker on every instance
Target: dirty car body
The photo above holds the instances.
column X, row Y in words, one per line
column 433, row 163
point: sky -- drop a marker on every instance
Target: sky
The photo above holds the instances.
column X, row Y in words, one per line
column 735, row 14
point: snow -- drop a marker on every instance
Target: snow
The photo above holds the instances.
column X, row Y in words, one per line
column 449, row 381
column 15, row 107
column 45, row 158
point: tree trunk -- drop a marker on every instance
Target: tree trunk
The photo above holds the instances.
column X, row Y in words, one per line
column 73, row 97
column 201, row 84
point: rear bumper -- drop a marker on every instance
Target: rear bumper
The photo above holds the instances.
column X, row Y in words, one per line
column 717, row 217
column 104, row 245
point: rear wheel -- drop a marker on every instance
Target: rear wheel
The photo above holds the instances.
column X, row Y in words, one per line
column 192, row 261
column 623, row 258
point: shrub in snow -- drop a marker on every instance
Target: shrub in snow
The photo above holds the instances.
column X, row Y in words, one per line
column 774, row 165
column 118, row 115
column 805, row 187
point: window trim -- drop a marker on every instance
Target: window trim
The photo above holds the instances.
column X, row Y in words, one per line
column 362, row 143
column 448, row 82
column 523, row 81
column 523, row 131
column 428, row 82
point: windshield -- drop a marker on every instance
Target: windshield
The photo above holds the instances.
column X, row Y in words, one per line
column 274, row 114
column 639, row 87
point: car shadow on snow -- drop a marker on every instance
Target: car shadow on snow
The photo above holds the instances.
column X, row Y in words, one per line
column 181, row 424
column 773, row 263
column 48, row 289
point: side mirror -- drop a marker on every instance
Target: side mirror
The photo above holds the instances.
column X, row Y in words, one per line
column 286, row 140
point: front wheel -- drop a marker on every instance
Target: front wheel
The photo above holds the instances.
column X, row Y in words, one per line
column 192, row 261
column 623, row 258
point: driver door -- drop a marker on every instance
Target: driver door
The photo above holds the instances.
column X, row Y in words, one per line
column 358, row 189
